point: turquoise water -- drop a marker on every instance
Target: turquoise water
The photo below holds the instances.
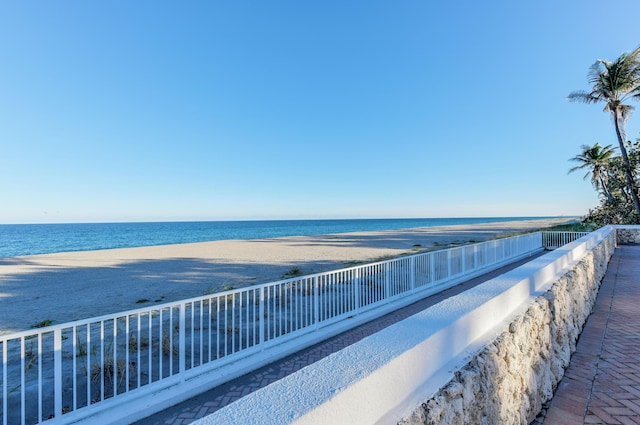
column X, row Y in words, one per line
column 30, row 239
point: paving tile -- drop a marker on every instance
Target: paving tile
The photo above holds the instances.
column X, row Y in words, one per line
column 612, row 333
column 605, row 398
column 604, row 416
column 634, row 405
column 575, row 407
column 562, row 417
column 619, row 411
column 626, row 420
column 631, row 389
column 576, row 393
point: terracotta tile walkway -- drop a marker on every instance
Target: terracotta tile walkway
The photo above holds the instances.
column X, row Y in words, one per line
column 602, row 383
column 210, row 401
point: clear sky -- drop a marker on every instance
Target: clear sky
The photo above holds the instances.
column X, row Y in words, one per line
column 209, row 110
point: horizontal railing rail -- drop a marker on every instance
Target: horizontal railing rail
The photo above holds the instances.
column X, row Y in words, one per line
column 70, row 371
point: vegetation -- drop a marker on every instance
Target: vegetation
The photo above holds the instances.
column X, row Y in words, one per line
column 42, row 324
column 293, row 272
column 571, row 227
column 608, row 176
column 615, row 177
column 595, row 159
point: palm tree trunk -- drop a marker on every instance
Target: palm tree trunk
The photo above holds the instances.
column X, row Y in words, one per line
column 625, row 159
column 605, row 189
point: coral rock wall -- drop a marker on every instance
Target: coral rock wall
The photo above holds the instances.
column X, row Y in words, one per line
column 628, row 235
column 509, row 380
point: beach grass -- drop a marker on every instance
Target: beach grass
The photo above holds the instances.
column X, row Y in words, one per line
column 42, row 324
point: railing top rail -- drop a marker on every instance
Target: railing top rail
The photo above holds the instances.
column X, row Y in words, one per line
column 565, row 232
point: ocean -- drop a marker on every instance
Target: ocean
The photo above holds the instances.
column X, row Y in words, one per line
column 31, row 239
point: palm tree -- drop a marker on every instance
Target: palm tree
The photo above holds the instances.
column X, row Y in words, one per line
column 596, row 160
column 614, row 83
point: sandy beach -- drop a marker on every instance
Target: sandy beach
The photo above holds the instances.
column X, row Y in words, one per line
column 63, row 287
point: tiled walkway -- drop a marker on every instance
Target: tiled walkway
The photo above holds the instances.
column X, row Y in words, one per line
column 602, row 383
column 210, row 401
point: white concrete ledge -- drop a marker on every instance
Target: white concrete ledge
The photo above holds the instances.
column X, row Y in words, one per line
column 382, row 378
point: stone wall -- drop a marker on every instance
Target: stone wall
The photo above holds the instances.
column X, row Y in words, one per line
column 511, row 378
column 628, row 235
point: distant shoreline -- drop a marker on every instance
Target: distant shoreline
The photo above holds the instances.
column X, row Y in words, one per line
column 34, row 239
column 63, row 287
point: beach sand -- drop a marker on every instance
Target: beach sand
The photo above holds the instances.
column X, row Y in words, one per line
column 69, row 286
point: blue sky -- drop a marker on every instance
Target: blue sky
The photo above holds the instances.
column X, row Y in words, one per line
column 203, row 110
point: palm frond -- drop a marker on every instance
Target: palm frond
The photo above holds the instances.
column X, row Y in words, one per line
column 595, row 159
column 612, row 82
column 578, row 168
column 596, row 70
column 625, row 112
column 582, row 96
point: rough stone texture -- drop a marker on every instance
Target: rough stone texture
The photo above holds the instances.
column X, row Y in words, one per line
column 510, row 380
column 628, row 235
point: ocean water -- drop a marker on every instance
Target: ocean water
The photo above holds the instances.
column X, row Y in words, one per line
column 30, row 239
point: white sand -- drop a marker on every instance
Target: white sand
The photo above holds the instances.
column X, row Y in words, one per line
column 69, row 286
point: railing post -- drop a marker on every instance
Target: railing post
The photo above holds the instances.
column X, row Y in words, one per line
column 115, row 355
column 412, row 271
column 448, row 263
column 463, row 259
column 22, row 380
column 263, row 322
column 540, row 238
column 316, row 302
column 432, row 267
column 181, row 338
column 356, row 289
column 387, row 289
column 5, row 384
column 57, row 372
column 475, row 256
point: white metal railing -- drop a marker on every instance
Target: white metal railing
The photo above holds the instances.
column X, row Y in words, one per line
column 65, row 372
column 552, row 240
